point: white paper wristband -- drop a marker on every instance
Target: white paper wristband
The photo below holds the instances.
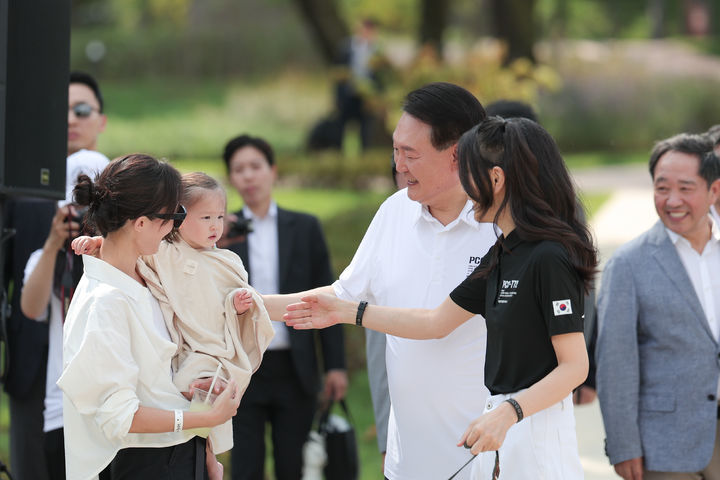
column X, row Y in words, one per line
column 178, row 421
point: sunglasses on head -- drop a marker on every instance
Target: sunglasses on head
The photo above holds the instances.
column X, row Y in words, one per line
column 82, row 109
column 177, row 217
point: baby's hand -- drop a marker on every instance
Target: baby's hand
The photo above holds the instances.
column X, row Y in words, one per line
column 242, row 301
column 86, row 245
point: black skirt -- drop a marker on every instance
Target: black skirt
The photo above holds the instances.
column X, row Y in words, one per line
column 179, row 462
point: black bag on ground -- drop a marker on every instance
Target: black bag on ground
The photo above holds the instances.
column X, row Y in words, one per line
column 340, row 444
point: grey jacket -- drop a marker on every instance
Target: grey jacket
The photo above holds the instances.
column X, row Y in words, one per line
column 657, row 360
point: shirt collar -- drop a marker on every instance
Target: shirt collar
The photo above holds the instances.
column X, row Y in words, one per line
column 106, row 273
column 272, row 212
column 714, row 233
column 512, row 240
column 467, row 216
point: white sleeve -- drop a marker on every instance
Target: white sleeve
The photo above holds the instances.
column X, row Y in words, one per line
column 101, row 375
column 355, row 282
column 29, row 268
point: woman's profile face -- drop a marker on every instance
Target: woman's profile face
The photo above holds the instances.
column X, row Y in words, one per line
column 151, row 234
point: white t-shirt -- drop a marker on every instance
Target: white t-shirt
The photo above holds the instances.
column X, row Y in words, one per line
column 52, row 414
column 89, row 162
column 409, row 259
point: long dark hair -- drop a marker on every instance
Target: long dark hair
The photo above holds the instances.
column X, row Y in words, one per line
column 129, row 187
column 538, row 188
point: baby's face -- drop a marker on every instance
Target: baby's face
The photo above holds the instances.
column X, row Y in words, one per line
column 203, row 225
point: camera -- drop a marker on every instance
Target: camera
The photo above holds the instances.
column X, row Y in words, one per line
column 77, row 218
column 239, row 228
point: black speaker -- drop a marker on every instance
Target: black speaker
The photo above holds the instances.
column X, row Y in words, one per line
column 34, row 71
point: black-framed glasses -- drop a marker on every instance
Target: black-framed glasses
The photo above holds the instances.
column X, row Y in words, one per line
column 177, row 217
column 82, row 109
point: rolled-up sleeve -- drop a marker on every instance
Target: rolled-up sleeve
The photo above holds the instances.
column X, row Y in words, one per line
column 100, row 375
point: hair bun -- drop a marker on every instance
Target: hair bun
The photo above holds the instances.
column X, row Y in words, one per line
column 82, row 192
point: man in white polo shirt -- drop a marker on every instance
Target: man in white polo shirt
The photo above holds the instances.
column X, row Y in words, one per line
column 421, row 244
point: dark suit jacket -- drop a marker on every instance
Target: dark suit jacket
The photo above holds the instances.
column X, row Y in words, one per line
column 304, row 263
column 27, row 339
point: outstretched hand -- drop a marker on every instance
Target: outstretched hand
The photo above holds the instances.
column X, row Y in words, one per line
column 319, row 311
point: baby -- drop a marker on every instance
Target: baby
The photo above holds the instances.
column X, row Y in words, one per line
column 214, row 316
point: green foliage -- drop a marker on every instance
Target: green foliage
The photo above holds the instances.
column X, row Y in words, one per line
column 396, row 15
column 600, row 19
column 207, row 43
column 601, row 111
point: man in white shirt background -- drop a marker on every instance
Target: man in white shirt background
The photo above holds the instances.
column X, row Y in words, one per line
column 36, row 439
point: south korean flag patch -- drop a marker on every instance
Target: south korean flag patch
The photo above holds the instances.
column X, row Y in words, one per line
column 562, row 307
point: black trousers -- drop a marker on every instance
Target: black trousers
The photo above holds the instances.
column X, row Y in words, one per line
column 274, row 395
column 179, row 462
column 54, row 447
column 27, row 458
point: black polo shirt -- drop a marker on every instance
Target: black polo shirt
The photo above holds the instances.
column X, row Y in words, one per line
column 532, row 294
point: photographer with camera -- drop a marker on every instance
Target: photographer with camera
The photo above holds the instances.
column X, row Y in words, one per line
column 283, row 252
column 51, row 274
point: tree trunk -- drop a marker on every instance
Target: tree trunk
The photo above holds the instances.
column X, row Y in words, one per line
column 515, row 24
column 656, row 12
column 432, row 23
column 326, row 24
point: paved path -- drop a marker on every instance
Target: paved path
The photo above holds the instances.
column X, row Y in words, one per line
column 627, row 213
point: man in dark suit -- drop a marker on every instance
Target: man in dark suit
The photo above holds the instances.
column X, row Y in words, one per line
column 284, row 253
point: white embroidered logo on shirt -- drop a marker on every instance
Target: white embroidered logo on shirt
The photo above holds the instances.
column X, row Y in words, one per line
column 562, row 307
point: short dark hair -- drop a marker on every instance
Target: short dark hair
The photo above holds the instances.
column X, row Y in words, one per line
column 691, row 144
column 243, row 141
column 714, row 133
column 129, row 187
column 449, row 109
column 511, row 109
column 90, row 82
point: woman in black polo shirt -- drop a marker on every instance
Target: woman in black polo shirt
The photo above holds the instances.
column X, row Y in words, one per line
column 529, row 287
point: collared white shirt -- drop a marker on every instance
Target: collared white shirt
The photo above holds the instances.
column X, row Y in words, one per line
column 409, row 259
column 715, row 214
column 115, row 358
column 704, row 272
column 263, row 255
